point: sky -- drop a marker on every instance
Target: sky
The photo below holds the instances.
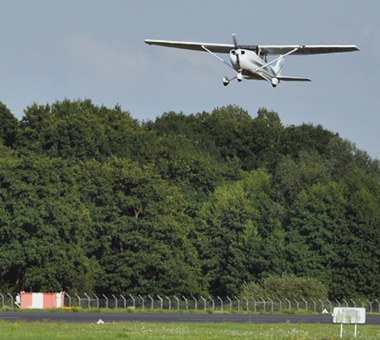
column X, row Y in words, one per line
column 92, row 49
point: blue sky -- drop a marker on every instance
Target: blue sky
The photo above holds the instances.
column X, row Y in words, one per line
column 51, row 50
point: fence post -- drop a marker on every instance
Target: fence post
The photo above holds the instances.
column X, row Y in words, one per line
column 115, row 300
column 254, row 305
column 330, row 306
column 353, row 302
column 290, row 305
column 125, row 302
column 187, row 307
column 142, row 301
column 65, row 294
column 79, row 304
column 370, row 306
column 88, row 301
column 177, row 301
column 152, row 301
column 322, row 304
column 133, row 301
column 2, row 298
column 106, row 300
column 170, row 303
column 378, row 304
column 221, row 303
column 97, row 301
column 195, row 302
column 11, row 299
column 305, row 303
column 315, row 305
column 213, row 303
column 339, row 303
column 246, row 303
column 230, row 302
column 271, row 304
column 297, row 303
column 280, row 304
column 345, row 302
column 204, row 302
column 361, row 303
column 161, row 300
column 238, row 303
column 263, row 303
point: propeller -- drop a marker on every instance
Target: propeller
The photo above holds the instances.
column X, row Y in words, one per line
column 235, row 41
column 236, row 49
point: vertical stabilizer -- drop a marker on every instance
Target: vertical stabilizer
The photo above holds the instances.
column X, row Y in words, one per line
column 277, row 69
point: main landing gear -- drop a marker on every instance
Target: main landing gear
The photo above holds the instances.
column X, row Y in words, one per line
column 239, row 78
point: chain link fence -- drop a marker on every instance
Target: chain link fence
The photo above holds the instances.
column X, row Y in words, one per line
column 209, row 303
column 229, row 304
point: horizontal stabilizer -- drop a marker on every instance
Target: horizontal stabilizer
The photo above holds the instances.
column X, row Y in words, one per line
column 293, row 78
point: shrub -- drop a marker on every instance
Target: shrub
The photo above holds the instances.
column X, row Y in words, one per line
column 252, row 289
column 287, row 286
column 293, row 287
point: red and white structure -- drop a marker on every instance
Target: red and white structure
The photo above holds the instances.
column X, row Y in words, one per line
column 42, row 300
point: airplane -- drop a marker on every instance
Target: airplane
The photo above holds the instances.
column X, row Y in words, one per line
column 250, row 61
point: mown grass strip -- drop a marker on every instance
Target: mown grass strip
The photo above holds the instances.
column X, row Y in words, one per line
column 137, row 331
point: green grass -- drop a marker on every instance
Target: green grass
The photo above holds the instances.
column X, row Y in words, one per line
column 180, row 331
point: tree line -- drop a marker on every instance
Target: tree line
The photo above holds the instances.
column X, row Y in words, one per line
column 92, row 200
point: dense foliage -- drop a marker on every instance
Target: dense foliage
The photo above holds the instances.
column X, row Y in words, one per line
column 287, row 287
column 91, row 200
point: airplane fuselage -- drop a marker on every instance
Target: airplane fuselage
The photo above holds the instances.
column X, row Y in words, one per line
column 250, row 64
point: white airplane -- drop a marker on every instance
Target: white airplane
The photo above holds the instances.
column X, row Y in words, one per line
column 250, row 61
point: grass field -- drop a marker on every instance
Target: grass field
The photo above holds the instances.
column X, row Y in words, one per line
column 137, row 331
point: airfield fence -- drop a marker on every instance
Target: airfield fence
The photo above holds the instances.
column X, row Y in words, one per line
column 209, row 303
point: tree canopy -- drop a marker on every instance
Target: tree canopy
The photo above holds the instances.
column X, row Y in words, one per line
column 92, row 200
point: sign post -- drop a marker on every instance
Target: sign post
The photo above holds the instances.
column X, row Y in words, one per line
column 346, row 315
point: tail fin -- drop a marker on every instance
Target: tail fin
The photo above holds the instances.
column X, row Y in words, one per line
column 277, row 69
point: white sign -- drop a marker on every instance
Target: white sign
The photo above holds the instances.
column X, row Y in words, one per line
column 349, row 315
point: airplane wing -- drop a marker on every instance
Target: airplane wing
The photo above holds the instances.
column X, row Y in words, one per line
column 216, row 48
column 283, row 78
column 264, row 49
column 306, row 49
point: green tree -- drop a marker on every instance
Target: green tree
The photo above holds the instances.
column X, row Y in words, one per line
column 184, row 165
column 293, row 176
column 305, row 137
column 42, row 225
column 333, row 235
column 8, row 126
column 343, row 157
column 233, row 227
column 140, row 230
column 78, row 131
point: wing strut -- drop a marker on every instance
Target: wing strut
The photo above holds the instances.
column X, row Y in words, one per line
column 217, row 57
column 281, row 56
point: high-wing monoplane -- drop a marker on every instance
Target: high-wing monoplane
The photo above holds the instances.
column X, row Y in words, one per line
column 250, row 61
